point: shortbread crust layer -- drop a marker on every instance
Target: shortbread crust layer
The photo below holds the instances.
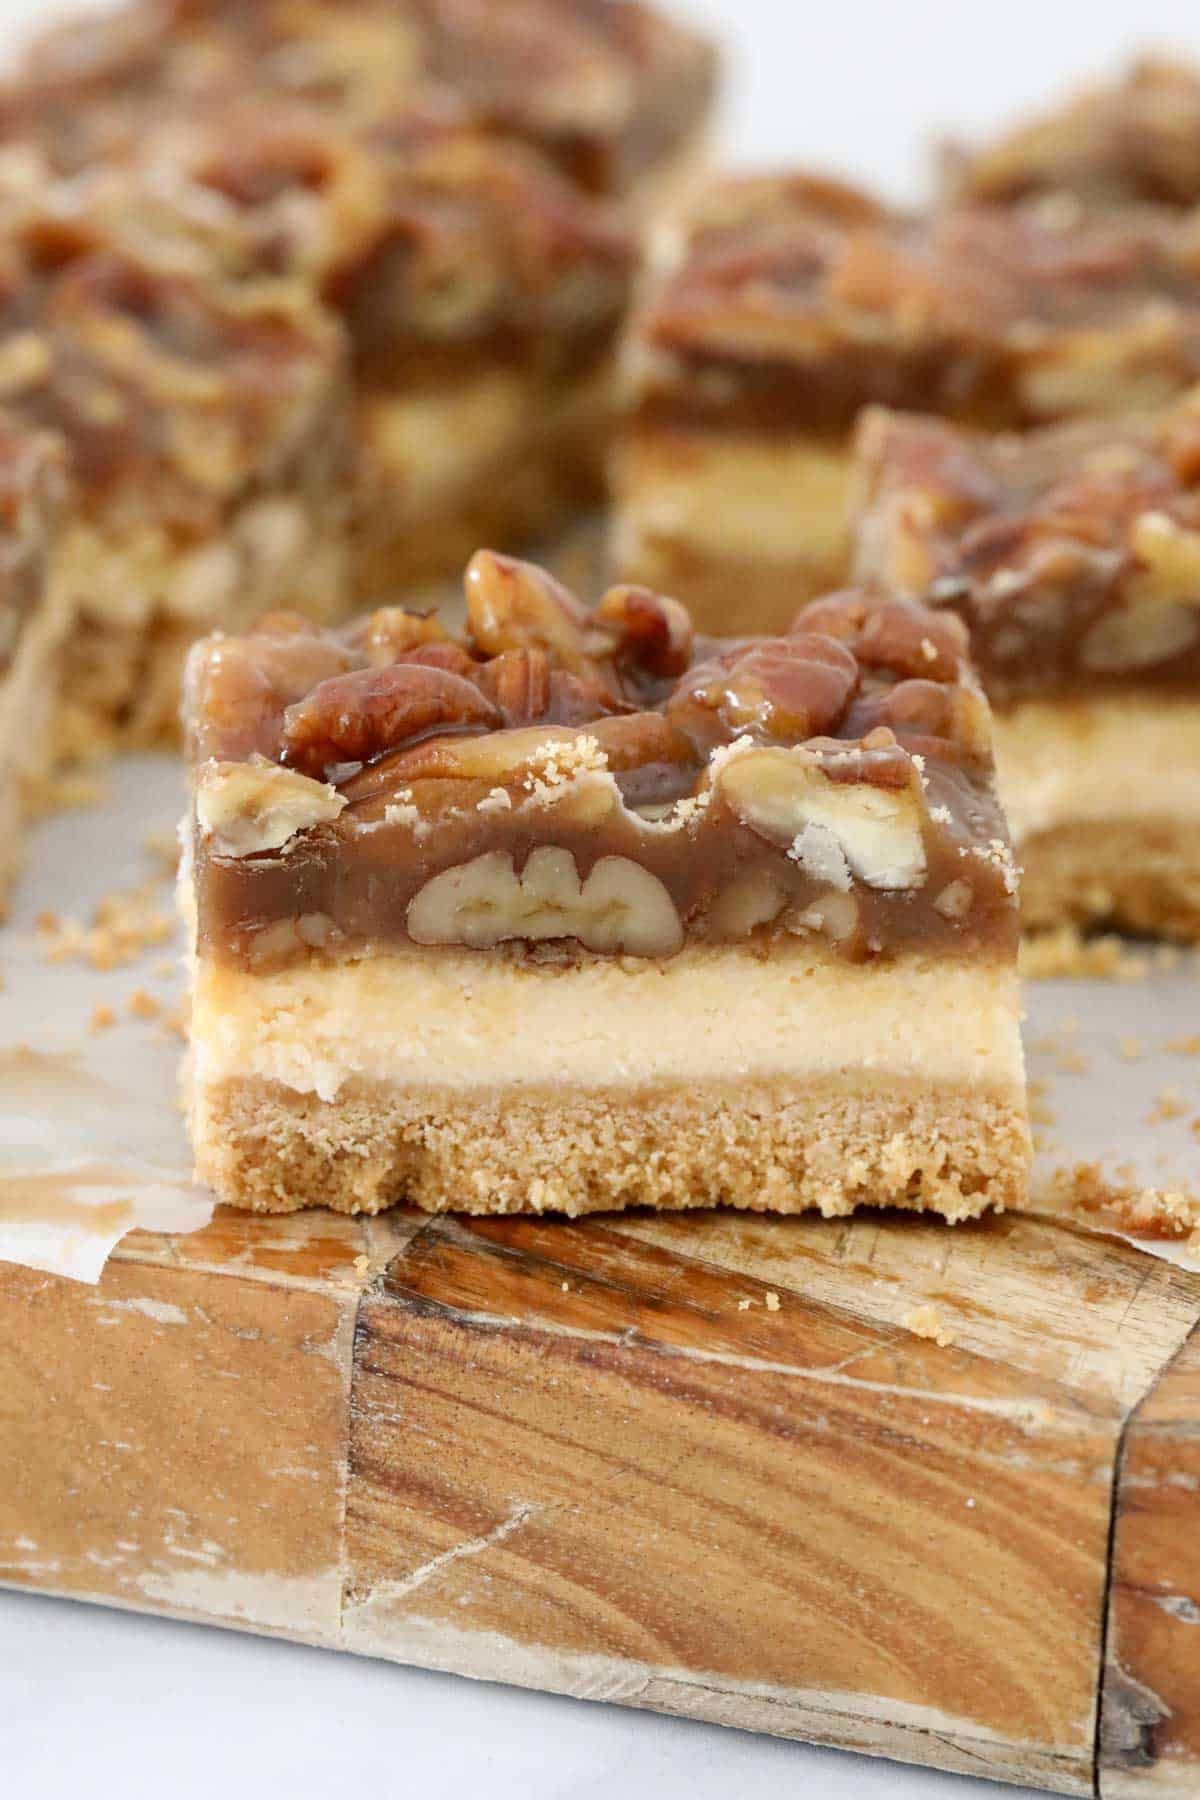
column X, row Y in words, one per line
column 782, row 1147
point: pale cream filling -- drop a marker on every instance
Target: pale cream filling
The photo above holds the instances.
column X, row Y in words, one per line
column 462, row 1020
column 769, row 500
column 1091, row 760
column 424, row 448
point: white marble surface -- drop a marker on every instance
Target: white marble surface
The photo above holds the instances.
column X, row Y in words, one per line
column 98, row 1702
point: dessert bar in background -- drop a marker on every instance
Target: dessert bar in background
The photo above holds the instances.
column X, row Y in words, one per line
column 204, row 423
column 33, row 486
column 1136, row 138
column 1073, row 554
column 572, row 911
column 614, row 93
column 481, row 293
column 790, row 303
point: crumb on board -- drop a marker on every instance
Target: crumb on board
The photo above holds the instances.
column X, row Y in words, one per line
column 70, row 791
column 1073, row 1062
column 1065, row 954
column 124, row 926
column 1121, row 1202
column 927, row 1322
column 1040, row 1110
column 163, row 846
column 103, row 1018
column 1168, row 1104
column 142, row 1005
column 1188, row 1045
column 1131, row 1049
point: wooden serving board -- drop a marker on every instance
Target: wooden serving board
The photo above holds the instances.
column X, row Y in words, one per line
column 699, row 1465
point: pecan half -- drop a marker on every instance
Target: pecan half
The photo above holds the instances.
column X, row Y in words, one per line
column 355, row 718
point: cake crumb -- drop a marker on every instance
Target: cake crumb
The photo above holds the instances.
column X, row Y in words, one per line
column 927, row 1322
column 1122, row 1203
column 1169, row 1104
column 124, row 926
column 772, row 1302
column 745, row 1305
column 143, row 1005
column 1065, row 955
column 103, row 1018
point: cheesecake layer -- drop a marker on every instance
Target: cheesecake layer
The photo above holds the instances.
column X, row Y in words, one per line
column 425, row 1018
column 1103, row 800
column 501, row 455
column 745, row 529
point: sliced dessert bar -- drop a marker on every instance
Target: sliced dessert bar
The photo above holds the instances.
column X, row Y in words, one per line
column 792, row 303
column 33, row 488
column 481, row 292
column 1073, row 554
column 616, row 94
column 1136, row 138
column 205, row 425
column 573, row 912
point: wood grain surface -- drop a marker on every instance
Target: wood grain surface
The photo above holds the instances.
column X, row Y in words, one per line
column 704, row 1465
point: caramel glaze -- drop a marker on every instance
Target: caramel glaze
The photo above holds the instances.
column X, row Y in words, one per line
column 797, row 301
column 1043, row 543
column 877, row 691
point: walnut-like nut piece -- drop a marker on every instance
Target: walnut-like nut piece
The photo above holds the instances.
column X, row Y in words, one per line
column 245, row 807
column 391, row 631
column 518, row 681
column 836, row 830
column 620, row 907
column 913, row 640
column 787, row 689
column 513, row 605
column 354, row 718
column 653, row 632
column 751, row 899
column 1138, row 637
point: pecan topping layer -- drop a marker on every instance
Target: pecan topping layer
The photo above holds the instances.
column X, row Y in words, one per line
column 564, row 775
column 794, row 302
column 1135, row 138
column 606, row 89
column 1073, row 553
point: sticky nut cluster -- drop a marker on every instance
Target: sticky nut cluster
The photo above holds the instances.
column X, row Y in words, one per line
column 812, row 741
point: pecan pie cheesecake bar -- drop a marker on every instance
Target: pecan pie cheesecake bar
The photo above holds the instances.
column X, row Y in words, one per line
column 791, row 303
column 33, row 488
column 1135, row 138
column 613, row 92
column 204, row 422
column 572, row 911
column 1073, row 555
column 482, row 296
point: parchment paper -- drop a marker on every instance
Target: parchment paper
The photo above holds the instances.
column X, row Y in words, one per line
column 92, row 1142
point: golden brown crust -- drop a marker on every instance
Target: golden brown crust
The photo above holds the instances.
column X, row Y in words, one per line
column 785, row 1147
column 1137, row 874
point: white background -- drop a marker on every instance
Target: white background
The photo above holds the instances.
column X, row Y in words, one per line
column 105, row 1704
